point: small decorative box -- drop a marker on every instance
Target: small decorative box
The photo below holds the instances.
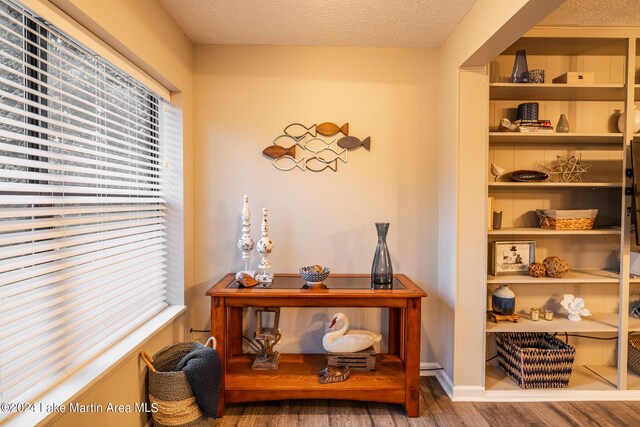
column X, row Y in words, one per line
column 574, row 78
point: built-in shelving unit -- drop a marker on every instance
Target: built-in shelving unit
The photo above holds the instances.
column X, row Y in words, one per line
column 598, row 257
column 537, row 231
column 555, row 138
column 523, row 185
column 574, row 276
column 556, row 92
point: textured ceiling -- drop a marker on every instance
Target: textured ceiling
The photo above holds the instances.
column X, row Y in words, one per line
column 610, row 13
column 375, row 23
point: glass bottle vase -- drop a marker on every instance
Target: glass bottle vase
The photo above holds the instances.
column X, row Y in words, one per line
column 381, row 269
column 520, row 73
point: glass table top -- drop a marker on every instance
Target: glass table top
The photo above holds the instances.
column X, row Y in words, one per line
column 331, row 283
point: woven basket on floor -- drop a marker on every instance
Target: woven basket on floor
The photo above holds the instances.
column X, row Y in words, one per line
column 169, row 390
column 633, row 360
column 535, row 360
column 555, row 219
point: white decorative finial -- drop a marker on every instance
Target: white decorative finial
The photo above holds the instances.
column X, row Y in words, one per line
column 246, row 243
column 264, row 248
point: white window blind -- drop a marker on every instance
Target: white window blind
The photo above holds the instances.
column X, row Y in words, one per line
column 82, row 240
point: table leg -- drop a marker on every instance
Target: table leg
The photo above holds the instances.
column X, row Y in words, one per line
column 234, row 333
column 394, row 331
column 218, row 330
column 412, row 357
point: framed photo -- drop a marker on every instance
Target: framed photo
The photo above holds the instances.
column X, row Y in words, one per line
column 512, row 257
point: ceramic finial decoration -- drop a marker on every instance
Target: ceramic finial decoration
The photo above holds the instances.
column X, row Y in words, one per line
column 246, row 243
column 575, row 307
column 496, row 171
column 264, row 248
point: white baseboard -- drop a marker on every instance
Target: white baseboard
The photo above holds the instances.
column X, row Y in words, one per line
column 429, row 369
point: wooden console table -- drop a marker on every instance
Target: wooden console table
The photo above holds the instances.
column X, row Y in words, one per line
column 397, row 374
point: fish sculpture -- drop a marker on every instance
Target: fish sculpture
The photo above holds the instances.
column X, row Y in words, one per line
column 298, row 130
column 276, row 151
column 311, row 144
column 329, row 129
column 329, row 154
column 316, row 165
column 287, row 163
column 351, row 143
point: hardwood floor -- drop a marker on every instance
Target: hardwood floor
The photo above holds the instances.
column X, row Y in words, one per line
column 435, row 410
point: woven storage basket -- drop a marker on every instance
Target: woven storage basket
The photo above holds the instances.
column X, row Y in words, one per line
column 535, row 360
column 554, row 219
column 634, row 353
column 169, row 390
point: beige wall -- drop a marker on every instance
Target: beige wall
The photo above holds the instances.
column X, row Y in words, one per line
column 143, row 32
column 244, row 98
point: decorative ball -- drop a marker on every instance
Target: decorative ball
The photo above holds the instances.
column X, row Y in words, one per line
column 536, row 269
column 556, row 266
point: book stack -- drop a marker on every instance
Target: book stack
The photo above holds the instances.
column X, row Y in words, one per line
column 536, row 126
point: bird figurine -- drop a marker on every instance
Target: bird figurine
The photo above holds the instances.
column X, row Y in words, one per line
column 345, row 341
column 496, row 171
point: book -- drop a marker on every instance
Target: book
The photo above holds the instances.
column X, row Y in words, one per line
column 525, row 129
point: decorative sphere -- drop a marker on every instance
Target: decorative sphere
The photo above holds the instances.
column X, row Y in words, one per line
column 536, row 269
column 555, row 266
column 264, row 246
column 636, row 121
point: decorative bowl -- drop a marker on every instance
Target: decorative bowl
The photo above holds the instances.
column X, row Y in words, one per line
column 314, row 274
column 528, row 176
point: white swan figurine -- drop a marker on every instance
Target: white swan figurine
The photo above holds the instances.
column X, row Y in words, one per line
column 344, row 341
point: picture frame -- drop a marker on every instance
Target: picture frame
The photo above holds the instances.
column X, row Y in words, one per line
column 512, row 257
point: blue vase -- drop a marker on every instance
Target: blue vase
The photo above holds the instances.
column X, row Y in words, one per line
column 520, row 73
column 381, row 269
column 503, row 301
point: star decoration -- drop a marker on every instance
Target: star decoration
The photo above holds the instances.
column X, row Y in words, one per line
column 569, row 169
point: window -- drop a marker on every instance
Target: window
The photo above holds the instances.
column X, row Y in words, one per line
column 82, row 240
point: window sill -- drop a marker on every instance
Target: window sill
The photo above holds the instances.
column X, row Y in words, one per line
column 91, row 374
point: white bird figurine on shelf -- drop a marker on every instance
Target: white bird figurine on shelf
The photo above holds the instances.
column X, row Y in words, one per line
column 496, row 171
column 344, row 341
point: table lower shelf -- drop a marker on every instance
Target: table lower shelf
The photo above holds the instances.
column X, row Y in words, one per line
column 297, row 378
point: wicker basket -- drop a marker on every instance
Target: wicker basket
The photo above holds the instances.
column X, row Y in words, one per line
column 535, row 360
column 169, row 391
column 554, row 219
column 633, row 360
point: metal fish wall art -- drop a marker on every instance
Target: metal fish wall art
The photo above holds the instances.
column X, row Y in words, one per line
column 287, row 163
column 330, row 129
column 288, row 141
column 316, row 153
column 310, row 145
column 329, row 154
column 314, row 164
column 298, row 130
column 276, row 151
column 351, row 143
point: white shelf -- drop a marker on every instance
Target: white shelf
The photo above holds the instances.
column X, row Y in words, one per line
column 530, row 231
column 634, row 324
column 522, row 185
column 582, row 378
column 555, row 138
column 574, row 276
column 597, row 322
column 556, row 91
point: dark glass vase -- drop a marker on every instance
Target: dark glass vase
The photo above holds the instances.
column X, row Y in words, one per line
column 381, row 269
column 520, row 73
